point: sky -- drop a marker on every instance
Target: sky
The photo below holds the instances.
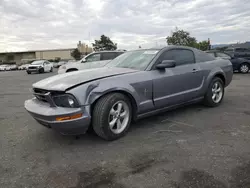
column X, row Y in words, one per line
column 53, row 24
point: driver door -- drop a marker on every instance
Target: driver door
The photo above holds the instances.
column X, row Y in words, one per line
column 172, row 86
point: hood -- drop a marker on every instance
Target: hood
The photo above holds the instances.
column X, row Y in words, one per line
column 65, row 81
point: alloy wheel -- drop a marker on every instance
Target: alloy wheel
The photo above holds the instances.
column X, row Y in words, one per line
column 119, row 117
column 244, row 68
column 217, row 92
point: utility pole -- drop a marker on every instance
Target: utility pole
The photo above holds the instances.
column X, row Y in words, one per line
column 209, row 46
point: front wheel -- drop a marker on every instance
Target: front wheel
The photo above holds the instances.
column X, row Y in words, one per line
column 215, row 93
column 41, row 70
column 111, row 116
column 244, row 68
column 51, row 69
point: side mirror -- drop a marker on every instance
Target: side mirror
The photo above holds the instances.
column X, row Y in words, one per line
column 166, row 64
column 83, row 60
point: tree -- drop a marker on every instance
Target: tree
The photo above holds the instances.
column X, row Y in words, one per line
column 105, row 43
column 76, row 54
column 181, row 37
column 203, row 45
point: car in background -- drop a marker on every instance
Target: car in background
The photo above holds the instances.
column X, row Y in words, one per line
column 241, row 65
column 101, row 58
column 55, row 64
column 60, row 63
column 3, row 67
column 23, row 67
column 40, row 66
column 134, row 85
column 13, row 67
column 238, row 52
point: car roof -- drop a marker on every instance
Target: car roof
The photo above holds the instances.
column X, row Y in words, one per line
column 104, row 51
column 166, row 47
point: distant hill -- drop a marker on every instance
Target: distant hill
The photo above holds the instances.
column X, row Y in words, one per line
column 238, row 45
column 219, row 45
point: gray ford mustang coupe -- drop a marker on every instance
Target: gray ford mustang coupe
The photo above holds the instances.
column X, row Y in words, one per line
column 133, row 85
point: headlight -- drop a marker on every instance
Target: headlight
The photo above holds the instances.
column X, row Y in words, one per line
column 66, row 100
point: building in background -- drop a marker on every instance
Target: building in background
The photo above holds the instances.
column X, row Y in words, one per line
column 84, row 49
column 19, row 57
column 53, row 54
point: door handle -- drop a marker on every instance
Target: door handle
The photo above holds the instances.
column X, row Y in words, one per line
column 194, row 70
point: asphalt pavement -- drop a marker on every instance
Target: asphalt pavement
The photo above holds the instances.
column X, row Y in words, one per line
column 194, row 146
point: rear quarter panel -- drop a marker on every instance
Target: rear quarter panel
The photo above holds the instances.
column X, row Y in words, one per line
column 217, row 67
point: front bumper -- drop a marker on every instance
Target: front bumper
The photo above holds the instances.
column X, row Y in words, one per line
column 46, row 115
column 33, row 70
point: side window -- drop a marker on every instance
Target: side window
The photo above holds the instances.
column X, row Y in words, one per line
column 108, row 55
column 94, row 57
column 201, row 56
column 181, row 56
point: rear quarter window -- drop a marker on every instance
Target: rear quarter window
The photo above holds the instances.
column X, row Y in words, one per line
column 203, row 56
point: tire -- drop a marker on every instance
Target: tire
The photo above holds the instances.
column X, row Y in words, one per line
column 72, row 70
column 209, row 99
column 51, row 70
column 244, row 68
column 102, row 116
column 41, row 70
column 28, row 72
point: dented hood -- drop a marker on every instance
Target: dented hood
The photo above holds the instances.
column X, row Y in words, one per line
column 65, row 81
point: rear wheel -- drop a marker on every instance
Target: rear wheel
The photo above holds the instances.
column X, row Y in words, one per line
column 71, row 70
column 244, row 68
column 112, row 116
column 215, row 93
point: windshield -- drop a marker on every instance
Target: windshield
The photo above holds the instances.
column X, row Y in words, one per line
column 37, row 63
column 134, row 59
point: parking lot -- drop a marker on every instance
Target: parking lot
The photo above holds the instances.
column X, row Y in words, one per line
column 194, row 146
